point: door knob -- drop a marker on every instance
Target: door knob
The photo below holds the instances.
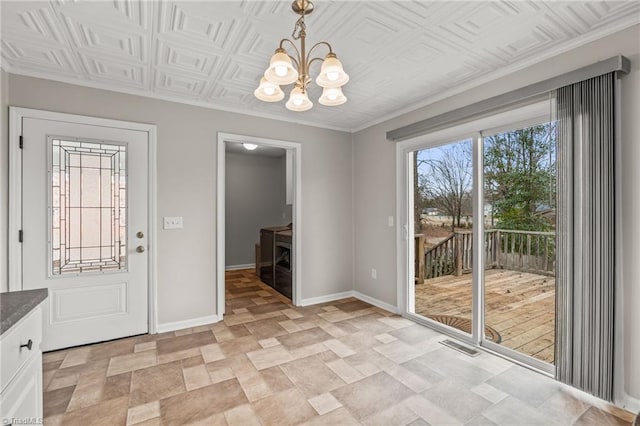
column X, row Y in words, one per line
column 140, row 234
column 140, row 249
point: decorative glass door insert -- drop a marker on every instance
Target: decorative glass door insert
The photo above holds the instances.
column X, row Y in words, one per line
column 88, row 206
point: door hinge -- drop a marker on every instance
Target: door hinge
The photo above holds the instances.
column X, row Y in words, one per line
column 20, row 235
column 21, row 142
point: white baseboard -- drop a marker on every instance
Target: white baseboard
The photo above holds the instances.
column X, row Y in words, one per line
column 625, row 401
column 629, row 403
column 326, row 298
column 346, row 294
column 375, row 302
column 237, row 267
column 194, row 322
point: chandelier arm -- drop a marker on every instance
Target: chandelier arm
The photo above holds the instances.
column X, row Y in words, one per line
column 321, row 43
column 292, row 44
column 294, row 60
column 313, row 60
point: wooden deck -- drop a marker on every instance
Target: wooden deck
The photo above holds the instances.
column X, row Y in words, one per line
column 520, row 306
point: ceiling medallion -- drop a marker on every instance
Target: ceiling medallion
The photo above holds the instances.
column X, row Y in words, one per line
column 281, row 70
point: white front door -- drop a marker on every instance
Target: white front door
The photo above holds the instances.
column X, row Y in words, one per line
column 84, row 223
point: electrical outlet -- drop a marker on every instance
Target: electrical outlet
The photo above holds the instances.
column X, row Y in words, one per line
column 374, row 274
column 390, row 221
column 172, row 222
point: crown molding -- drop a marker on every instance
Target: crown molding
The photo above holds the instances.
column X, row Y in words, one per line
column 167, row 98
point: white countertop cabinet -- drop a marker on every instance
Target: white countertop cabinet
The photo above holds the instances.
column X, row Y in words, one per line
column 21, row 371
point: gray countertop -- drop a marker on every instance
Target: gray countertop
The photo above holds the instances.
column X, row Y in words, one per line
column 15, row 305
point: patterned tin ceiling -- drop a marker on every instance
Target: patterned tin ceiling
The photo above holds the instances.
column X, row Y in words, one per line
column 212, row 53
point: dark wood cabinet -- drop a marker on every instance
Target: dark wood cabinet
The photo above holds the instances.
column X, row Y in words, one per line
column 275, row 259
column 267, row 242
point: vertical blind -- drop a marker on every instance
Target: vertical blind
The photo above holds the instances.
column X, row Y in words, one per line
column 586, row 235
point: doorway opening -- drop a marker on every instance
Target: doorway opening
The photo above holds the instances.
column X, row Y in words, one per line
column 258, row 213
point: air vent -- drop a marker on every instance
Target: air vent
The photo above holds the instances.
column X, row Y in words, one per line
column 460, row 348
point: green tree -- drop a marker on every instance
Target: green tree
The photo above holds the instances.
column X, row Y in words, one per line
column 519, row 177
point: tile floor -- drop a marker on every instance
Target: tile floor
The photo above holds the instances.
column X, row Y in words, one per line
column 270, row 363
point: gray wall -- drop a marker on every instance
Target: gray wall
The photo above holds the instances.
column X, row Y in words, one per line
column 187, row 138
column 375, row 186
column 348, row 189
column 4, row 185
column 255, row 197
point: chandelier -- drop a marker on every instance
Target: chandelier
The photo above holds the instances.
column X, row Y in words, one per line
column 281, row 70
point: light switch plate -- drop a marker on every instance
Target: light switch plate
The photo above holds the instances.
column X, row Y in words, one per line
column 172, row 222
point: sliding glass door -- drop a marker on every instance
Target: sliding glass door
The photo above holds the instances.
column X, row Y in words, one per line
column 443, row 223
column 519, row 196
column 481, row 240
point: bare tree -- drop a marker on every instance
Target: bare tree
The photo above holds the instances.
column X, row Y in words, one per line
column 418, row 196
column 447, row 181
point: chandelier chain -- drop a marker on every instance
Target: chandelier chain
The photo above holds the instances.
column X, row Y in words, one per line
column 299, row 28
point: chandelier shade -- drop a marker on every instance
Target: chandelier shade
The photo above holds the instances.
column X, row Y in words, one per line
column 331, row 73
column 285, row 69
column 281, row 70
column 268, row 91
column 332, row 96
column 299, row 100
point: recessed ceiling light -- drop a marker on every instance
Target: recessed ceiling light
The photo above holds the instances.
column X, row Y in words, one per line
column 249, row 146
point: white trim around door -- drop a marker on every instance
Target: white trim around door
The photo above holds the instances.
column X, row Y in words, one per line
column 220, row 212
column 16, row 116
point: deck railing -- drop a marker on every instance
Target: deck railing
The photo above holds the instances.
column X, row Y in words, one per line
column 525, row 251
column 439, row 259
